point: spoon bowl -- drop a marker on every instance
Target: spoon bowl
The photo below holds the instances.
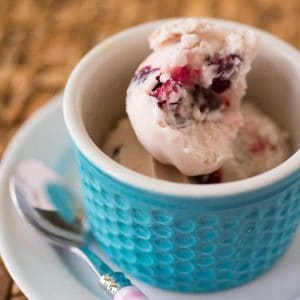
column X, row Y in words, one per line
column 43, row 200
column 48, row 223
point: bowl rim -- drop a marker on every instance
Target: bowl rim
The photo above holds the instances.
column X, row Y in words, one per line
column 82, row 140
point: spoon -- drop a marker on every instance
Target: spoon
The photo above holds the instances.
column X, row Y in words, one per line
column 42, row 198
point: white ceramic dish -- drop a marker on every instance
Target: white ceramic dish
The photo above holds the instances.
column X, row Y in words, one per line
column 43, row 272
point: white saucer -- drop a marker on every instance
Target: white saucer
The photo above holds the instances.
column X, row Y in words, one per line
column 43, row 272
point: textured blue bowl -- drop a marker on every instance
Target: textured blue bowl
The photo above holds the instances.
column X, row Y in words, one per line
column 181, row 244
column 191, row 238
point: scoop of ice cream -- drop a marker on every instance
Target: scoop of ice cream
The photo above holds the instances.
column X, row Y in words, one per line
column 183, row 101
column 260, row 145
column 122, row 145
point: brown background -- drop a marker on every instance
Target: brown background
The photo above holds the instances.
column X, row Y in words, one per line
column 42, row 40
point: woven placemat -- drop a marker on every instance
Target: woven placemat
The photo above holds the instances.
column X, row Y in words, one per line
column 42, row 40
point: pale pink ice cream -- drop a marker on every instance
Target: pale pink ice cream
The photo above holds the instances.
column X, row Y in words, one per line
column 184, row 99
column 260, row 145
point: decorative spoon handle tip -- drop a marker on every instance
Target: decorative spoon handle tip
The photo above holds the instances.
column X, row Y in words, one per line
column 115, row 283
column 130, row 292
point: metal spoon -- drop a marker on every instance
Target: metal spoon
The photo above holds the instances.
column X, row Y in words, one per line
column 42, row 198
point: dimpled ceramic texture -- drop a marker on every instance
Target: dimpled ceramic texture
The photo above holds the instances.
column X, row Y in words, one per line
column 186, row 244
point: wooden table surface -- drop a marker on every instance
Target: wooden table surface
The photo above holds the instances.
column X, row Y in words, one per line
column 42, row 40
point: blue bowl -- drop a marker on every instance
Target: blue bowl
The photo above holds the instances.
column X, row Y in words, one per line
column 188, row 238
column 181, row 244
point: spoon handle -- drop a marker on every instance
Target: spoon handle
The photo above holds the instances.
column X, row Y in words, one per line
column 115, row 283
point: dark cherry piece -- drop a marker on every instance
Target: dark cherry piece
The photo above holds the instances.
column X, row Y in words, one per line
column 158, row 84
column 225, row 64
column 182, row 75
column 220, row 84
column 206, row 99
column 185, row 76
column 224, row 71
column 162, row 92
column 116, row 151
column 143, row 73
column 260, row 145
column 215, row 177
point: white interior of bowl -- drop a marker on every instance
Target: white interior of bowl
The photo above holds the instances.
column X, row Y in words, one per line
column 95, row 99
column 273, row 85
